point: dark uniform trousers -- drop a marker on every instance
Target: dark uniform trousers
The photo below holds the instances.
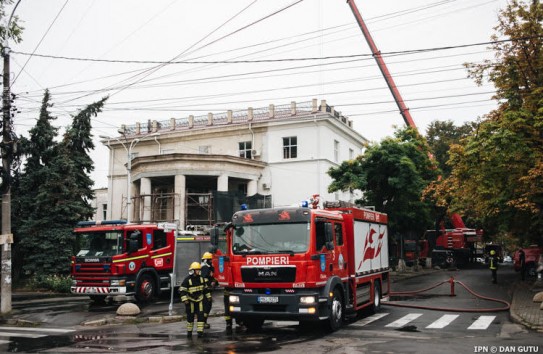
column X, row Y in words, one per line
column 193, row 291
column 207, row 274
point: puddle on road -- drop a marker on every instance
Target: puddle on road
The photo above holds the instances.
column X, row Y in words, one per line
column 271, row 339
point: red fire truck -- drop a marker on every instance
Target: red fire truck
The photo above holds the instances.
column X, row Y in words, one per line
column 114, row 258
column 303, row 264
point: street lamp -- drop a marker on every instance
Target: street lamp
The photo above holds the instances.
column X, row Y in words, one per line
column 128, row 149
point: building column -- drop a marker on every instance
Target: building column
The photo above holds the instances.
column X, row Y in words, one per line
column 252, row 188
column 179, row 208
column 222, row 183
column 145, row 193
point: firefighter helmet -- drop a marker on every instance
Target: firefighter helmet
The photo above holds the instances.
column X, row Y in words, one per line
column 195, row 266
column 207, row 255
column 492, row 252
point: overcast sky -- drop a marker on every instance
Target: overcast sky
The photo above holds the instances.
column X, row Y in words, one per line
column 173, row 58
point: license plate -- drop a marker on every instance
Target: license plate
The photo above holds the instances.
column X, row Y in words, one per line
column 268, row 299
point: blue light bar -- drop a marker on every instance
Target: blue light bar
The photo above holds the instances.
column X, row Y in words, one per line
column 103, row 222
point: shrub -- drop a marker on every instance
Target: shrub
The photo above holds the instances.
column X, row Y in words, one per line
column 55, row 283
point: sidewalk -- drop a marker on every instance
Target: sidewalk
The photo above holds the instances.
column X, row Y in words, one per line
column 523, row 309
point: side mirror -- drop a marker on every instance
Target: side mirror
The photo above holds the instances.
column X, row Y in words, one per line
column 133, row 246
column 214, row 236
column 329, row 236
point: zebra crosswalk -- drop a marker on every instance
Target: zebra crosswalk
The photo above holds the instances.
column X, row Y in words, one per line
column 479, row 323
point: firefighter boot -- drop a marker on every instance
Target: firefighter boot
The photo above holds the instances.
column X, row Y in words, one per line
column 200, row 334
column 189, row 334
column 229, row 326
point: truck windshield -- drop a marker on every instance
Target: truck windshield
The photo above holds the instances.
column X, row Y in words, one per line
column 99, row 244
column 271, row 238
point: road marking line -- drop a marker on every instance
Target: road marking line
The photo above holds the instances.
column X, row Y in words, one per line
column 482, row 322
column 23, row 335
column 37, row 329
column 442, row 322
column 404, row 320
column 371, row 319
column 368, row 320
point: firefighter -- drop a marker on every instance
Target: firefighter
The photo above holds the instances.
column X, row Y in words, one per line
column 493, row 266
column 207, row 273
column 194, row 289
column 522, row 260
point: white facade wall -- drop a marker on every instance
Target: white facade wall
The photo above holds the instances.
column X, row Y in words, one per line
column 162, row 154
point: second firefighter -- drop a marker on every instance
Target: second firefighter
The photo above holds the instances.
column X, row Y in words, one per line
column 207, row 273
column 194, row 289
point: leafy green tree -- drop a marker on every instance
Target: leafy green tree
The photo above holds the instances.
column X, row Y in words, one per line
column 15, row 30
column 497, row 173
column 440, row 136
column 392, row 176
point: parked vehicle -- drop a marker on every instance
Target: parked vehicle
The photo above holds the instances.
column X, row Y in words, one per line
column 298, row 263
column 115, row 258
column 531, row 257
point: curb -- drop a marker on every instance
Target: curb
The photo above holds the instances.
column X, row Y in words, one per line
column 515, row 317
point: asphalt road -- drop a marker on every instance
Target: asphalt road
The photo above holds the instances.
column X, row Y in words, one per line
column 434, row 322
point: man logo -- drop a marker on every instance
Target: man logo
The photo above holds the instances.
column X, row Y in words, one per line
column 267, row 273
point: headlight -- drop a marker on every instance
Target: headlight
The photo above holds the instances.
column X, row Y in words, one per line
column 307, row 299
column 233, row 299
column 118, row 282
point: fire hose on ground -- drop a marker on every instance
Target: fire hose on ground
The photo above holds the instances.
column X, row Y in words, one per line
column 452, row 283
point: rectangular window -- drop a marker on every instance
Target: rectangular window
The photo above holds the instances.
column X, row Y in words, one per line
column 336, row 151
column 351, row 154
column 104, row 211
column 338, row 230
column 245, row 148
column 159, row 239
column 290, row 147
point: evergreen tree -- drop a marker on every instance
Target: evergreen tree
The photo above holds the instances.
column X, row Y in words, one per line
column 39, row 150
column 62, row 194
column 76, row 145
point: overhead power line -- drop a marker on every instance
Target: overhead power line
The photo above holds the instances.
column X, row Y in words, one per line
column 394, row 53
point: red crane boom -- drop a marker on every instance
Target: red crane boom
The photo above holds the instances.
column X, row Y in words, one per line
column 404, row 111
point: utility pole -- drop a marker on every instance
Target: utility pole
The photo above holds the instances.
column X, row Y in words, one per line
column 7, row 147
column 6, row 239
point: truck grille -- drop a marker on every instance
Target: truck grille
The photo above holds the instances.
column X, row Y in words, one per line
column 268, row 274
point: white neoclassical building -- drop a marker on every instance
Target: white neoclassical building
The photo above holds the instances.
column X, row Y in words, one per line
column 199, row 170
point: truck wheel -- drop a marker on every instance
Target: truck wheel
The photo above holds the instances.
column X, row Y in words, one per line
column 376, row 307
column 335, row 320
column 531, row 270
column 145, row 289
column 253, row 325
column 98, row 299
